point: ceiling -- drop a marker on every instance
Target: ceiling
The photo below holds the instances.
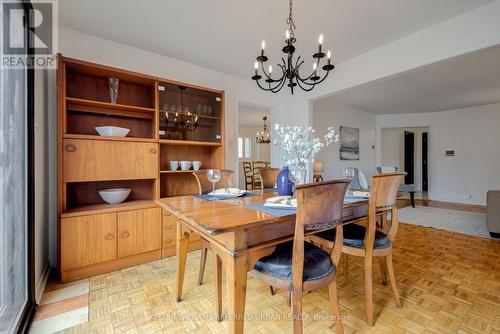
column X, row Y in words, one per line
column 225, row 35
column 251, row 116
column 465, row 81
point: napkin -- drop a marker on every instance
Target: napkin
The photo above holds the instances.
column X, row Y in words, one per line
column 282, row 200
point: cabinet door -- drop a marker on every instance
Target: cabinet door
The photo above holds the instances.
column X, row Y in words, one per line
column 139, row 231
column 87, row 240
column 94, row 160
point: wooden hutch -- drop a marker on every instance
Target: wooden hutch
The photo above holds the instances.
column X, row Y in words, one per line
column 168, row 120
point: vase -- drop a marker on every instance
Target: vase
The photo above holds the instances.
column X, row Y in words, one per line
column 284, row 184
column 113, row 89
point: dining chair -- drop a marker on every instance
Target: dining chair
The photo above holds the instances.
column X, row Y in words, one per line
column 299, row 266
column 204, row 187
column 256, row 167
column 247, row 170
column 268, row 177
column 368, row 242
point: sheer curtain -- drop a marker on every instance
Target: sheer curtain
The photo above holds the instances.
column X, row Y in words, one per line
column 13, row 197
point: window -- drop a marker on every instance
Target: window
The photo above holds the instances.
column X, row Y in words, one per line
column 244, row 148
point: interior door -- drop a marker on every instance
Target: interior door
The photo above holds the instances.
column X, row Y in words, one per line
column 409, row 156
column 425, row 161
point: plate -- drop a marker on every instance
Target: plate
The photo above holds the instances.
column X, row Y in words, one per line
column 227, row 193
column 281, row 202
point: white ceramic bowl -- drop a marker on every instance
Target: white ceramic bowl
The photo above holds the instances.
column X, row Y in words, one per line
column 112, row 131
column 114, row 195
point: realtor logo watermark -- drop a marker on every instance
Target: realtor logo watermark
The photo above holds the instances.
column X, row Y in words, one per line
column 41, row 24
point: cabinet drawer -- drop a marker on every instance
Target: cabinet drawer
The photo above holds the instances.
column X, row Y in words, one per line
column 91, row 160
column 87, row 240
column 139, row 231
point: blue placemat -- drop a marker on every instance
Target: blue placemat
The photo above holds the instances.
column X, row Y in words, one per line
column 207, row 197
column 272, row 211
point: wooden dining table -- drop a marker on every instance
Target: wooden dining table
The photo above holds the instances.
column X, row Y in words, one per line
column 238, row 236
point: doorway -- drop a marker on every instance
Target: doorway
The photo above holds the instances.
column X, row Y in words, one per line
column 250, row 151
column 407, row 148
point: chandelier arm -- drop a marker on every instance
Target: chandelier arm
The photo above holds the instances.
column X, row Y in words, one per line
column 268, row 77
column 305, row 88
column 280, row 86
column 262, row 87
column 315, row 82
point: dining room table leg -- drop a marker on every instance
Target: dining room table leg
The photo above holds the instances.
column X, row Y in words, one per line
column 236, row 275
column 182, row 250
column 218, row 286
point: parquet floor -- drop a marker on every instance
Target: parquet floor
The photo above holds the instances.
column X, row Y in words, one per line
column 449, row 283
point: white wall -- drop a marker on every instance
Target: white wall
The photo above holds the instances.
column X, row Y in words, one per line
column 392, row 150
column 473, row 134
column 325, row 114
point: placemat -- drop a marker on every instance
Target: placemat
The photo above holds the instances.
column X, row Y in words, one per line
column 272, row 211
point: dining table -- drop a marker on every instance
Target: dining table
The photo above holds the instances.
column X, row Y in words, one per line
column 240, row 231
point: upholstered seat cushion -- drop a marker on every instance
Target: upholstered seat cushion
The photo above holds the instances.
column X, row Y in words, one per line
column 317, row 263
column 354, row 236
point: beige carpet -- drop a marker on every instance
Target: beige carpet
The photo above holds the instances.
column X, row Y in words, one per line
column 444, row 219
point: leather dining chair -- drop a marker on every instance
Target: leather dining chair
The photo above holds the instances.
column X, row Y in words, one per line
column 204, row 187
column 268, row 177
column 368, row 242
column 299, row 266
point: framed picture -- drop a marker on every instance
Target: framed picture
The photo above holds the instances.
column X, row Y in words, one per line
column 349, row 143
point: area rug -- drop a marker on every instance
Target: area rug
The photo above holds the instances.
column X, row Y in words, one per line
column 450, row 220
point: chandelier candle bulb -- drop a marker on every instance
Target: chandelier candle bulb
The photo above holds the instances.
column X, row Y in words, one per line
column 270, row 69
column 329, row 56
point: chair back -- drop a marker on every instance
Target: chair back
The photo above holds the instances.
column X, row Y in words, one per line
column 268, row 177
column 247, row 171
column 205, row 186
column 319, row 207
column 256, row 167
column 385, row 169
column 383, row 198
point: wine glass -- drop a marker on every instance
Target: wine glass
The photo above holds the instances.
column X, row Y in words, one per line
column 213, row 176
column 348, row 174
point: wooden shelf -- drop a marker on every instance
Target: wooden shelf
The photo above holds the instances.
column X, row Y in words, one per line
column 180, row 171
column 97, row 137
column 106, row 208
column 72, row 101
column 188, row 143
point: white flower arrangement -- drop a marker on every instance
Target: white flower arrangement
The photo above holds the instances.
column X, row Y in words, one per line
column 300, row 145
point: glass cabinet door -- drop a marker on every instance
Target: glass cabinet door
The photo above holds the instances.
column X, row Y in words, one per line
column 189, row 114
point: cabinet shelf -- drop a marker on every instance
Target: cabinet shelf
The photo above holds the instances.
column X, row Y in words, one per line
column 188, row 143
column 73, row 103
column 97, row 137
column 181, row 171
column 105, row 208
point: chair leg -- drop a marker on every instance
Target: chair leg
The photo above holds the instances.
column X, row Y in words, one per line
column 345, row 261
column 334, row 301
column 289, row 298
column 392, row 279
column 383, row 270
column 297, row 312
column 218, row 286
column 369, row 290
column 203, row 260
column 273, row 292
column 412, row 198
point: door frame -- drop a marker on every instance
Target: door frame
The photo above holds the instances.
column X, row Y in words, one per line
column 425, row 161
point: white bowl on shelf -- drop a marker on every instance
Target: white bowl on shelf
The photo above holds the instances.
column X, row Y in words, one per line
column 114, row 195
column 112, row 131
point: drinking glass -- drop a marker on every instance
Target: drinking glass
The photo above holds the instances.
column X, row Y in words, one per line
column 113, row 89
column 213, row 176
column 348, row 174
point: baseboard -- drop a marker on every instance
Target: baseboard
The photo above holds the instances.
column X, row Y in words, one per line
column 42, row 283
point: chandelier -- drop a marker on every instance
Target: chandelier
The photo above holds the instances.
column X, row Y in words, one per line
column 264, row 137
column 290, row 68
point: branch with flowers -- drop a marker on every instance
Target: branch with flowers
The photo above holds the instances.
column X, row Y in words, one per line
column 300, row 145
